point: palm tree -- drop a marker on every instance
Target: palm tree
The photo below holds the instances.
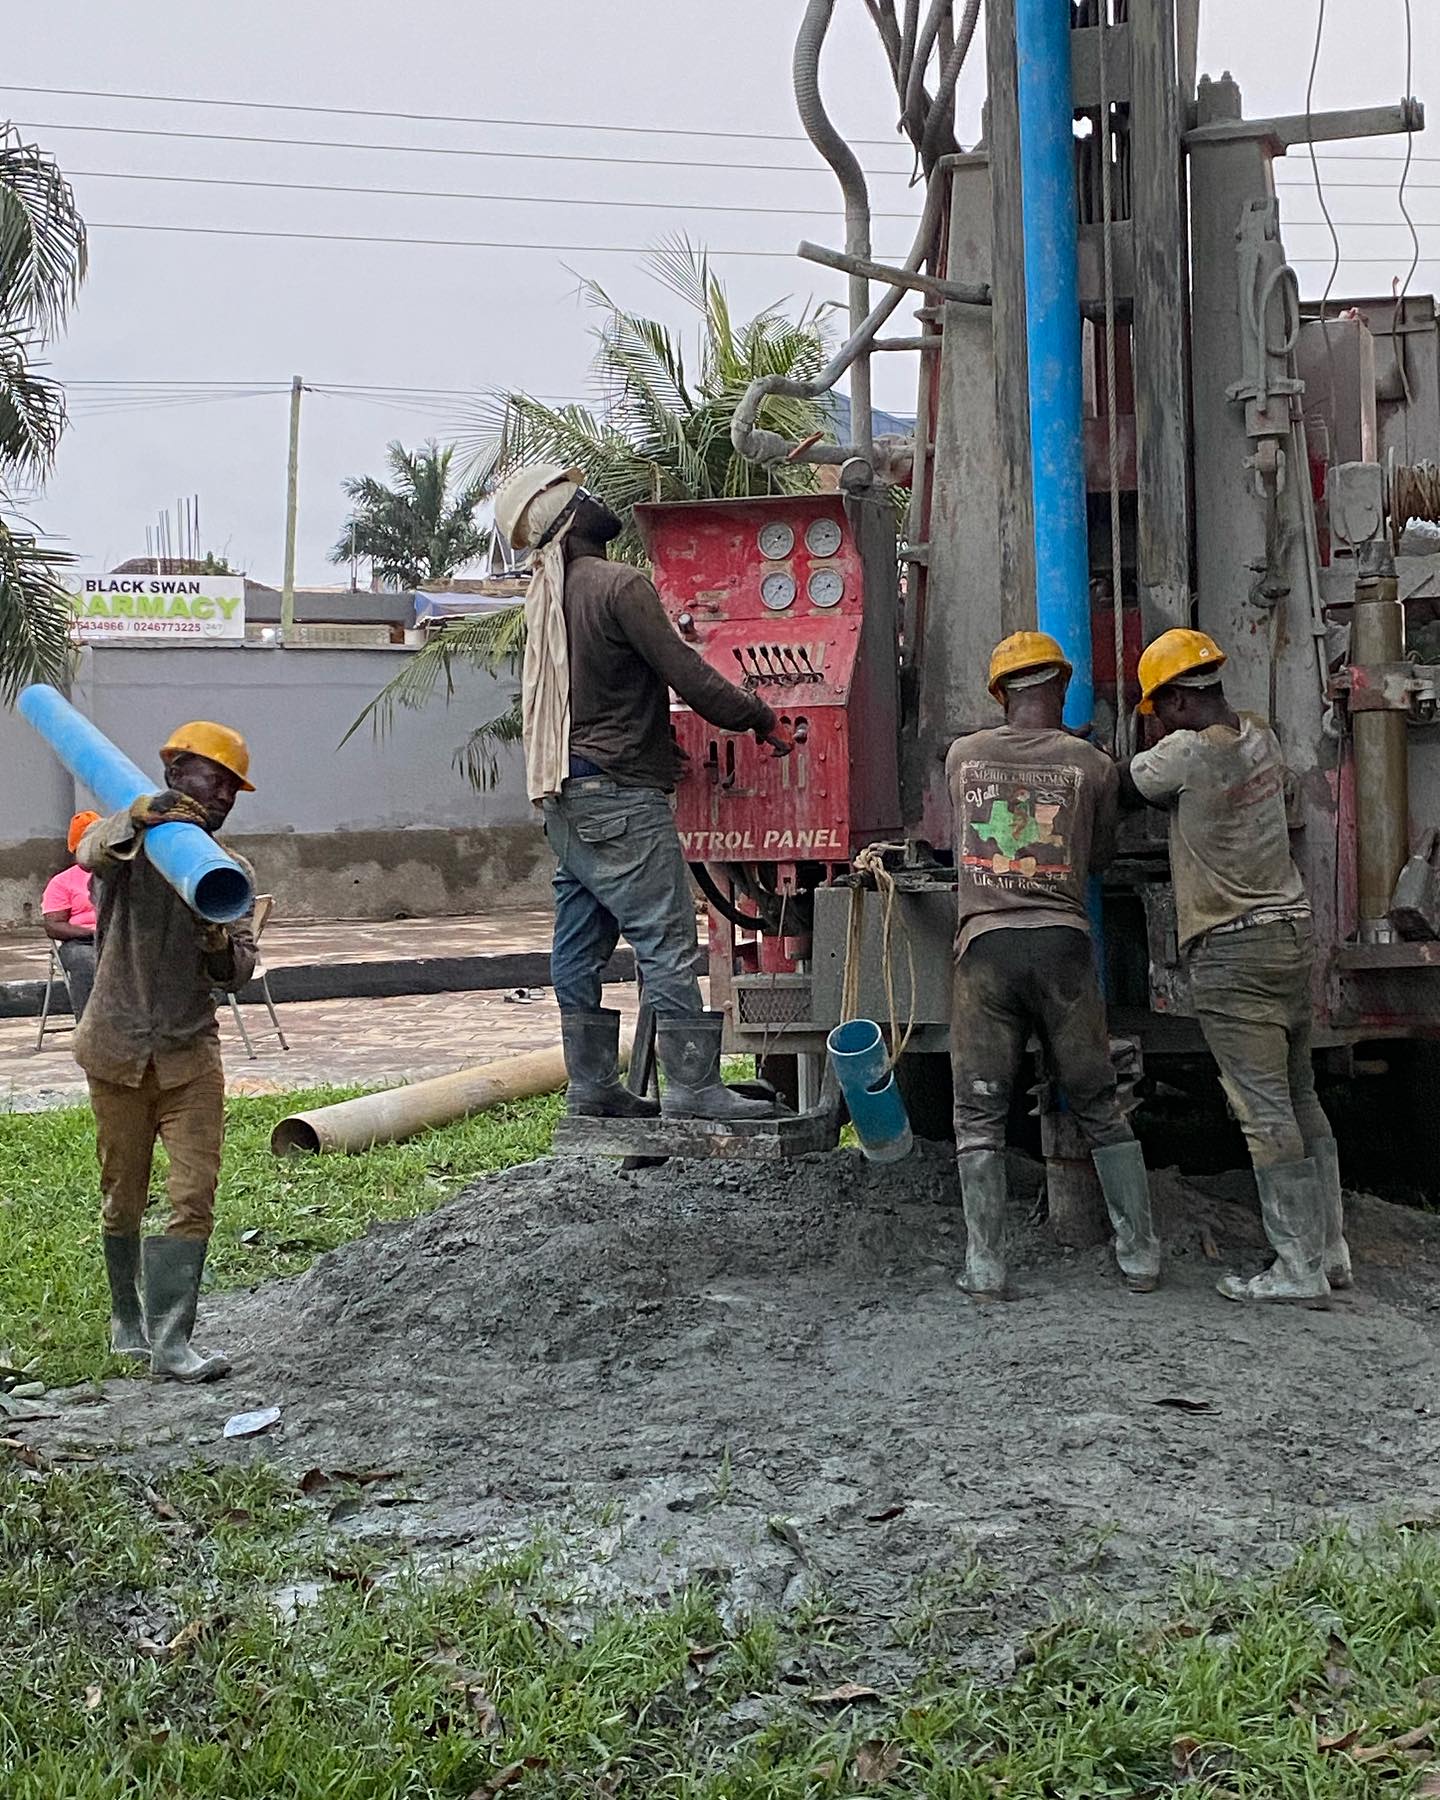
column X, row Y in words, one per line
column 660, row 431
column 416, row 531
column 42, row 263
column 663, row 431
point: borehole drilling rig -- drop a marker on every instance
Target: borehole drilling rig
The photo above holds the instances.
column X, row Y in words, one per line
column 1127, row 419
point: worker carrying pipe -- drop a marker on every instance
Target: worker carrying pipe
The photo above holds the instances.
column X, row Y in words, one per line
column 601, row 657
column 1035, row 812
column 1247, row 942
column 150, row 1048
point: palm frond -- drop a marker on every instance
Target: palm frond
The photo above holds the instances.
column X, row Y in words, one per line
column 490, row 642
column 32, row 410
column 478, row 758
column 42, row 237
column 35, row 613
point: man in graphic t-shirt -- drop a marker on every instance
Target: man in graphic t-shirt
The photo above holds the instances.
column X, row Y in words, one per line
column 1245, row 934
column 1034, row 815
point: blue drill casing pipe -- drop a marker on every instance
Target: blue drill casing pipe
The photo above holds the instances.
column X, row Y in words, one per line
column 877, row 1111
column 210, row 883
column 1052, row 335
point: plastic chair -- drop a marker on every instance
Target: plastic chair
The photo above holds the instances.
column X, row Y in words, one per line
column 56, row 971
column 263, row 905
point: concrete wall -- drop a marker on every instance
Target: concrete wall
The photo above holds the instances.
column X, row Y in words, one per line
column 376, row 828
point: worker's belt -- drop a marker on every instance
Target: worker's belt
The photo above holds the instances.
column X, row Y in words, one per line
column 1260, row 915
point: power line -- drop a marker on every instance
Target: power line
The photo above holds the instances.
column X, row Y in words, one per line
column 565, row 156
column 148, row 383
column 375, row 112
column 324, row 187
column 346, row 237
column 1373, row 187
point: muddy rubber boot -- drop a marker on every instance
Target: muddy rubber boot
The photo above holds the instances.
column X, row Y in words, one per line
column 127, row 1321
column 985, row 1193
column 689, row 1052
column 592, row 1062
column 1126, row 1187
column 1326, row 1155
column 170, row 1269
column 1293, row 1212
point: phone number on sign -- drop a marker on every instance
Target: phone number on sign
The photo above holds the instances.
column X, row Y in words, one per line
column 141, row 628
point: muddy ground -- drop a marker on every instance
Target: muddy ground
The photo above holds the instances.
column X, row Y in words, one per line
column 770, row 1381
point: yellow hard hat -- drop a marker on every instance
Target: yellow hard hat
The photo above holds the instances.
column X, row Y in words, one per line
column 1023, row 652
column 1173, row 654
column 217, row 743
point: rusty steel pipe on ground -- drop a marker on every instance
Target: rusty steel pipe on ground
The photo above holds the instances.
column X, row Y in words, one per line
column 1382, row 754
column 353, row 1126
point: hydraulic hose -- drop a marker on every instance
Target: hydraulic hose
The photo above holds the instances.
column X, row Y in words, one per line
column 939, row 137
column 726, row 908
column 762, row 446
column 842, row 159
column 914, row 107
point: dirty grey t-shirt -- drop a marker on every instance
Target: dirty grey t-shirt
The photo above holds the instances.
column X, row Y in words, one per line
column 1229, row 842
column 1034, row 818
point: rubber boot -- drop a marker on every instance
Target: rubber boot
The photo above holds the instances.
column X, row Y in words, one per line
column 170, row 1269
column 1293, row 1212
column 1326, row 1155
column 127, row 1321
column 985, row 1193
column 689, row 1052
column 592, row 1062
column 1123, row 1181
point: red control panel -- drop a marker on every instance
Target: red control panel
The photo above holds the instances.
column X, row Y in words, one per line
column 772, row 593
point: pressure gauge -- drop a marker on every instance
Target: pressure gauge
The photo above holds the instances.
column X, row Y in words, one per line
column 776, row 539
column 823, row 539
column 825, row 587
column 777, row 590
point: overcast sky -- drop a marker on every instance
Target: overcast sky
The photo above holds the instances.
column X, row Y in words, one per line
column 185, row 307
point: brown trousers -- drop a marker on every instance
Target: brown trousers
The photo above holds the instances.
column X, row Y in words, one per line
column 188, row 1120
column 1008, row 987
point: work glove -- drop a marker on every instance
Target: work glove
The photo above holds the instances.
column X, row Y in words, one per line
column 166, row 808
column 214, row 940
column 781, row 740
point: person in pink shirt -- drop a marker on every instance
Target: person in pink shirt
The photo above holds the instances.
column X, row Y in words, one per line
column 69, row 909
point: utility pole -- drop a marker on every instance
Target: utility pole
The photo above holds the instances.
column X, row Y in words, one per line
column 292, row 508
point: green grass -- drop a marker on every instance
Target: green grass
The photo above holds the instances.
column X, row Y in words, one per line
column 149, row 1648
column 53, row 1303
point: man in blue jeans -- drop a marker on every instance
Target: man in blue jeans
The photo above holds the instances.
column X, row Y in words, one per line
column 601, row 658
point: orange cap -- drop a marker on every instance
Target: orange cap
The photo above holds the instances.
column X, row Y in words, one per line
column 79, row 825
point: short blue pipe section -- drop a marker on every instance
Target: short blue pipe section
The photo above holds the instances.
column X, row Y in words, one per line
column 858, row 1057
column 210, row 883
column 1052, row 333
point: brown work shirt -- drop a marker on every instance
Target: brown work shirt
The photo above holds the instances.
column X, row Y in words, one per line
column 1229, row 838
column 1035, row 815
column 625, row 656
column 154, row 996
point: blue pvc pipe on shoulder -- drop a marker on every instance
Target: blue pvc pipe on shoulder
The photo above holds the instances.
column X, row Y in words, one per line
column 1052, row 334
column 210, row 883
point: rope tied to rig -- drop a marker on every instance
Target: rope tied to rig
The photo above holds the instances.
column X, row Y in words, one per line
column 870, row 863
